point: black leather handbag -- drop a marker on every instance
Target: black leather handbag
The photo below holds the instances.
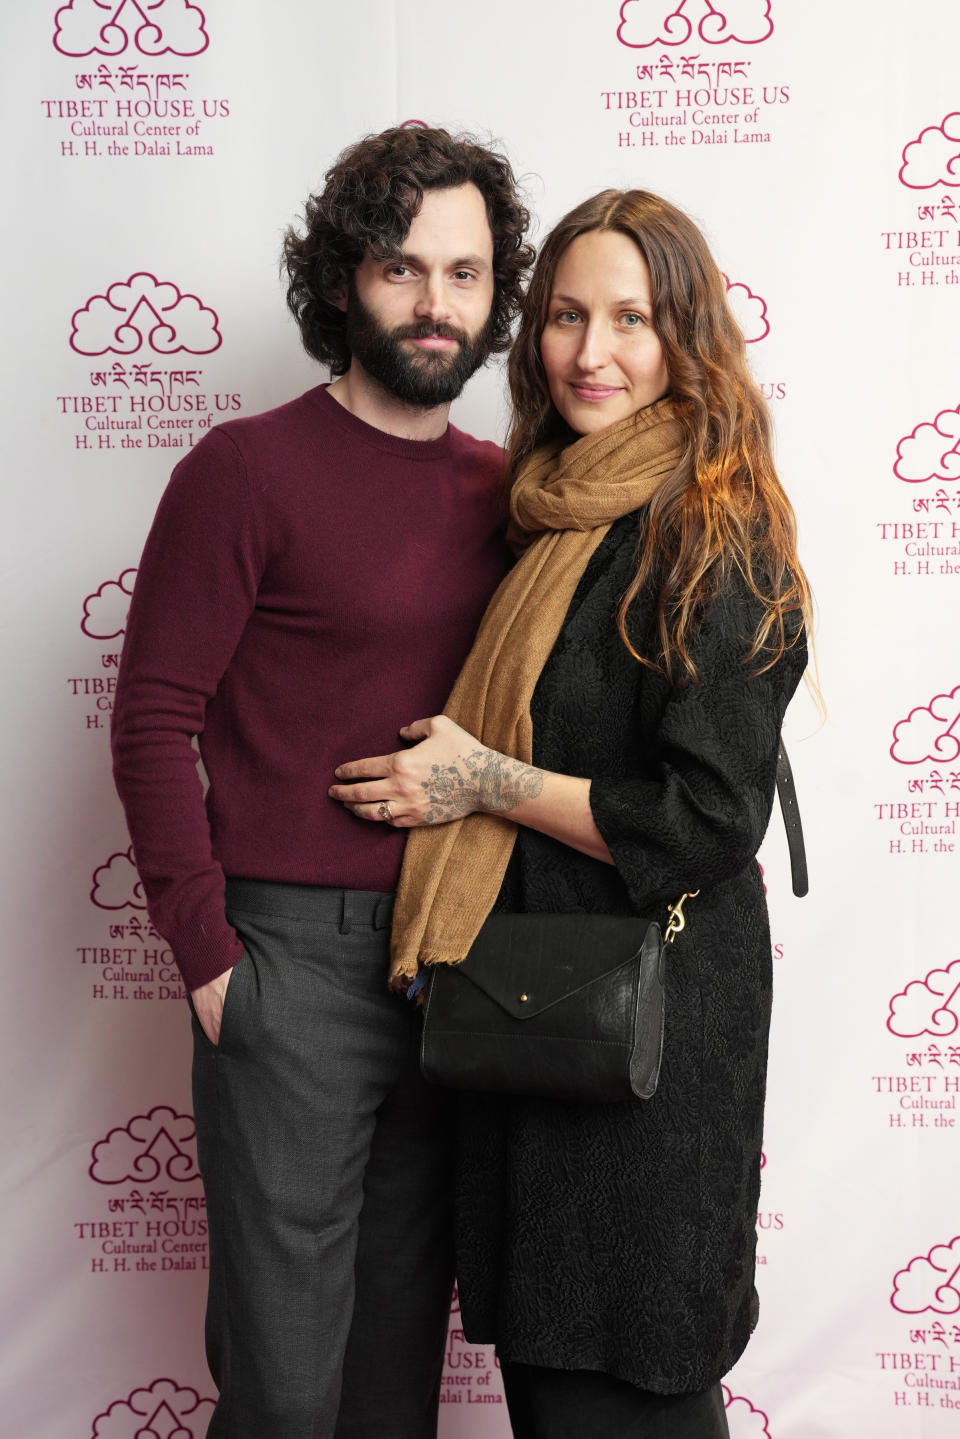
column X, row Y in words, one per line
column 570, row 1006
column 565, row 1005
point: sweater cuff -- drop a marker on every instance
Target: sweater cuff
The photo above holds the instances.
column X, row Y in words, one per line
column 201, row 956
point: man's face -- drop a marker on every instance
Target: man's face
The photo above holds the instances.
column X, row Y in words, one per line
column 419, row 324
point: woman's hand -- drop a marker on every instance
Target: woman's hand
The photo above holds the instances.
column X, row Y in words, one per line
column 446, row 775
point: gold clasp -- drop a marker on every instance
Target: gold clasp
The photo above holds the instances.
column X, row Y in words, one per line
column 677, row 922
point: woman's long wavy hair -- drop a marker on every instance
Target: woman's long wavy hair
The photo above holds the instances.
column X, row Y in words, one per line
column 724, row 505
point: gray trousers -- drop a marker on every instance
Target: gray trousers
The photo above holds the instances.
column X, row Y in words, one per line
column 326, row 1163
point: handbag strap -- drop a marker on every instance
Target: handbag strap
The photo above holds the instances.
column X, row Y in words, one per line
column 790, row 809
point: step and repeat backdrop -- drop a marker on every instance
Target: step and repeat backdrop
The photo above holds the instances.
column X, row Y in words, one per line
column 156, row 150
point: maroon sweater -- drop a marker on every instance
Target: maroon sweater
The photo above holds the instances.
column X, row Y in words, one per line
column 310, row 584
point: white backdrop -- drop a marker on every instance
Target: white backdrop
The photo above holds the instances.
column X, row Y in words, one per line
column 155, row 152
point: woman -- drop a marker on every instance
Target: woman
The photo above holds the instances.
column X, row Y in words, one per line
column 626, row 691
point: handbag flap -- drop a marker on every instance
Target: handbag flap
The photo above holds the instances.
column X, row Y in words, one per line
column 527, row 962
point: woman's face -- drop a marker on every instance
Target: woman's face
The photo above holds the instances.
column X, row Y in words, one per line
column 601, row 355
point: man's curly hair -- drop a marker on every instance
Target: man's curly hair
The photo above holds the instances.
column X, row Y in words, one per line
column 371, row 197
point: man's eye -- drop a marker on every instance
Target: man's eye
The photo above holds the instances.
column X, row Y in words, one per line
column 463, row 275
column 399, row 271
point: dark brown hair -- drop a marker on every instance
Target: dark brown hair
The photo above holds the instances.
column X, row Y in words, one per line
column 724, row 505
column 371, row 197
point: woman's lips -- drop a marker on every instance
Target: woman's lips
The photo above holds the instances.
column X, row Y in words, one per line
column 594, row 393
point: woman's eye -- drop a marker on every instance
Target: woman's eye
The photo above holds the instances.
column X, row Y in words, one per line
column 632, row 320
column 566, row 317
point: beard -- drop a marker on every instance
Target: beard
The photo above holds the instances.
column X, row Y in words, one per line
column 424, row 378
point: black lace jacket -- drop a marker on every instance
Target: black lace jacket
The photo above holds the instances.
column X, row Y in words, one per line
column 621, row 1237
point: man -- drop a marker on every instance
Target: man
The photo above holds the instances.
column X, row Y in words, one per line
column 313, row 577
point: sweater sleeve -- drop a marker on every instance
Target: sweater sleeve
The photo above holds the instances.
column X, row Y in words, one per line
column 699, row 811
column 195, row 589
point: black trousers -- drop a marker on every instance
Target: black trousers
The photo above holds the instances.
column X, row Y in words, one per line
column 579, row 1404
column 327, row 1169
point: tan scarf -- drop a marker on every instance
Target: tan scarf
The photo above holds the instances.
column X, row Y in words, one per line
column 562, row 504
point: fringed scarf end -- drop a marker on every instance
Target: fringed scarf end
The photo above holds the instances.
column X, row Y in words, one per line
column 407, row 973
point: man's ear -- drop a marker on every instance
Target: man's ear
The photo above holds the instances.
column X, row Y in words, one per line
column 339, row 298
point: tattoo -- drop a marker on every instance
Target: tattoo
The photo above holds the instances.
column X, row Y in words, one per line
column 484, row 780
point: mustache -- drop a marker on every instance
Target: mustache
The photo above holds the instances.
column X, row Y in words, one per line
column 427, row 330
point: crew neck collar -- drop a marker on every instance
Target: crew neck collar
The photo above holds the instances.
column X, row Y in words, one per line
column 366, row 434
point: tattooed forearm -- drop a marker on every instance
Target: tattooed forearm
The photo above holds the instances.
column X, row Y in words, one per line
column 484, row 780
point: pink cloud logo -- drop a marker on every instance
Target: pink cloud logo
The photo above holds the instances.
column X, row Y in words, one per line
column 107, row 27
column 745, row 1421
column 164, row 1411
column 928, row 1006
column 933, row 158
column 105, row 611
column 929, row 731
column 931, row 1281
column 931, row 451
column 651, row 22
column 116, row 884
column 145, row 310
column 161, row 1144
column 749, row 311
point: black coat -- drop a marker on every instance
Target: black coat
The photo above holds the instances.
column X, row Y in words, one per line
column 621, row 1237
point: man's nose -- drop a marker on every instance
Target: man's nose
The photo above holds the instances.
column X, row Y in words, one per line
column 432, row 302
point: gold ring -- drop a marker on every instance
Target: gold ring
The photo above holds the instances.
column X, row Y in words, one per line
column 384, row 810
